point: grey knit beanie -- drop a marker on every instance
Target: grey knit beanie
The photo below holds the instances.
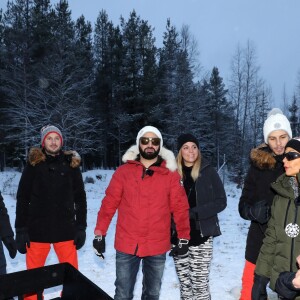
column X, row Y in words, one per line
column 49, row 129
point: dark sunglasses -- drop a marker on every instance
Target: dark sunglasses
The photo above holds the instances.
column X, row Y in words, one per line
column 291, row 155
column 146, row 140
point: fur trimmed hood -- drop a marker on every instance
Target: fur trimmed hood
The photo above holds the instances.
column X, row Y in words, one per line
column 262, row 157
column 167, row 155
column 36, row 155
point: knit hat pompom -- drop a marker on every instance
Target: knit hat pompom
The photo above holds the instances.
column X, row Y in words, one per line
column 276, row 120
column 149, row 129
column 184, row 138
column 47, row 130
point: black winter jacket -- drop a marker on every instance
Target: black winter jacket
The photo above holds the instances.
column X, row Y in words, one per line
column 265, row 169
column 206, row 198
column 51, row 201
column 5, row 227
column 210, row 200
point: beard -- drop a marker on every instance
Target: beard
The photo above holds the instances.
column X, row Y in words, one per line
column 149, row 155
column 51, row 152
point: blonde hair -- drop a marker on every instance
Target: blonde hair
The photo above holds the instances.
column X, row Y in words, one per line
column 196, row 166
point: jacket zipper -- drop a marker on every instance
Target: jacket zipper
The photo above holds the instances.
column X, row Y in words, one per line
column 198, row 221
column 293, row 239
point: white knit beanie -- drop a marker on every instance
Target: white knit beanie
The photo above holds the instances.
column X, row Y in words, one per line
column 49, row 129
column 276, row 120
column 149, row 129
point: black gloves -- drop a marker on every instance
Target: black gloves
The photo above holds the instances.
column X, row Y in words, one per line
column 79, row 238
column 10, row 245
column 22, row 240
column 260, row 212
column 180, row 249
column 284, row 285
column 259, row 289
column 99, row 245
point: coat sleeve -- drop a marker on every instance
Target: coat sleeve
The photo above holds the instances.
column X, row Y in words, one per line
column 5, row 227
column 79, row 199
column 110, row 203
column 179, row 207
column 265, row 259
column 248, row 194
column 23, row 197
column 216, row 197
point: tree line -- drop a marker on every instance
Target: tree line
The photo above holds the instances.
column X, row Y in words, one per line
column 100, row 84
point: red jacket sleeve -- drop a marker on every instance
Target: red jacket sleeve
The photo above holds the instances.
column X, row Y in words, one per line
column 110, row 203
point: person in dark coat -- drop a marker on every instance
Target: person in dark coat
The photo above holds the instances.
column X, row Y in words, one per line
column 207, row 198
column 257, row 194
column 51, row 203
column 6, row 237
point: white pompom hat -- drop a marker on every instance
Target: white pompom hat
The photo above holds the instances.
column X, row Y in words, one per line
column 276, row 120
column 149, row 129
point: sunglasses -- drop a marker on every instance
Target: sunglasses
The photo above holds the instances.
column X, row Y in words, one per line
column 146, row 140
column 291, row 155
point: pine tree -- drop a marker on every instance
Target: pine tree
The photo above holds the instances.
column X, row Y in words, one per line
column 294, row 117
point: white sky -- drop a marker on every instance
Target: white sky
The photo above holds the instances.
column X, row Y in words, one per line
column 219, row 26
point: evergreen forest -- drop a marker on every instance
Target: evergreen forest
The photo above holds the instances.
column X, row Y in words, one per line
column 100, row 83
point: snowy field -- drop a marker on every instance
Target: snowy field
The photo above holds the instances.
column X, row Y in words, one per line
column 228, row 255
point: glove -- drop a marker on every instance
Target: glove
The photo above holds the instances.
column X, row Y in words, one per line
column 79, row 238
column 180, row 249
column 22, row 240
column 259, row 289
column 284, row 285
column 99, row 245
column 10, row 245
column 260, row 212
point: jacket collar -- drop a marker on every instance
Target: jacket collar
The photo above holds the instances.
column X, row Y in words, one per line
column 167, row 155
column 37, row 155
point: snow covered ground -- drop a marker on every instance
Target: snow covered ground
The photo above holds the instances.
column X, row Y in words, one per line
column 228, row 255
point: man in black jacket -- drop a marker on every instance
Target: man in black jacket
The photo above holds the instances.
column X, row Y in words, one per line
column 51, row 203
column 6, row 236
column 257, row 195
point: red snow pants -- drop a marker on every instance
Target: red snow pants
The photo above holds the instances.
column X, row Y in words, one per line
column 37, row 254
column 247, row 281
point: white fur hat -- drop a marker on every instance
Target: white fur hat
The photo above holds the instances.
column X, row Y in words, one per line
column 276, row 120
column 149, row 129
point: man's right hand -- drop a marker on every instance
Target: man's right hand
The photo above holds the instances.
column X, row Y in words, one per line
column 99, row 245
column 260, row 212
column 259, row 289
column 22, row 240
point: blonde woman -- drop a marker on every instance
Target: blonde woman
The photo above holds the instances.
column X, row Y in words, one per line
column 206, row 198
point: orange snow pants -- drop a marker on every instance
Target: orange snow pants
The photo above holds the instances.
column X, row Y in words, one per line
column 247, row 281
column 37, row 254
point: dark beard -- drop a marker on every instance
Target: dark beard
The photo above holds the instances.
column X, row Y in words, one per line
column 149, row 156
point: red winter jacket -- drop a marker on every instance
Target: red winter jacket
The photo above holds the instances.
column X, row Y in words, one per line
column 144, row 206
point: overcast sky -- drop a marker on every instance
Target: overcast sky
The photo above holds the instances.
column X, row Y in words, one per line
column 219, row 26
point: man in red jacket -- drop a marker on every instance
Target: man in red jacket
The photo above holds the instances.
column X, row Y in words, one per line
column 146, row 191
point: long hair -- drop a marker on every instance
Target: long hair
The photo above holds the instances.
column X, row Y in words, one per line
column 196, row 167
